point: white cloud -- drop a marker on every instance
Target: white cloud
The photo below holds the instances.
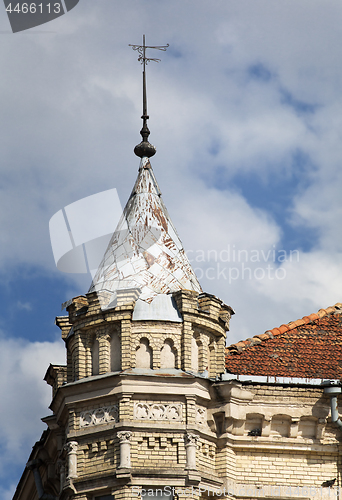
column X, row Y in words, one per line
column 71, row 132
column 7, row 493
column 70, row 116
column 26, row 306
column 71, row 103
column 25, row 397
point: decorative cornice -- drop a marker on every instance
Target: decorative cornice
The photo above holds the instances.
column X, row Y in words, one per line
column 99, row 416
column 156, row 411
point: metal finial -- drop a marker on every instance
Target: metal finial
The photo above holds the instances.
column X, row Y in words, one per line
column 145, row 148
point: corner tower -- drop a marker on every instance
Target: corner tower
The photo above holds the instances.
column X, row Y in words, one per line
column 144, row 346
column 133, row 407
column 145, row 308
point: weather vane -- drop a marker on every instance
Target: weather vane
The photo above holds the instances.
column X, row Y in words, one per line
column 145, row 148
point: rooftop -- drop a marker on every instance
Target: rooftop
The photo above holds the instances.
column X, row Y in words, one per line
column 310, row 347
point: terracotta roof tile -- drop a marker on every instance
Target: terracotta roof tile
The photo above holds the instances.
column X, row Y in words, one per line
column 321, row 313
column 299, row 322
column 313, row 316
column 264, row 336
column 310, row 347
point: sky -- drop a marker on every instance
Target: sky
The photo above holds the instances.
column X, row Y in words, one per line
column 246, row 114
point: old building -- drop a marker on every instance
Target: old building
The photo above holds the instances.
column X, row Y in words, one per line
column 144, row 408
column 159, row 424
column 132, row 408
column 288, row 434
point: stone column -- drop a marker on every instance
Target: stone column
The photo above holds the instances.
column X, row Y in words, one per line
column 191, row 445
column 71, row 448
column 125, row 449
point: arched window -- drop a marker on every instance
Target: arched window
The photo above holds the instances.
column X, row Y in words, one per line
column 95, row 365
column 115, row 352
column 144, row 355
column 167, row 355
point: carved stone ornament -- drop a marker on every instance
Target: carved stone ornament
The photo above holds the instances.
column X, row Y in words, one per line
column 71, row 447
column 201, row 416
column 191, row 439
column 99, row 416
column 124, row 436
column 155, row 411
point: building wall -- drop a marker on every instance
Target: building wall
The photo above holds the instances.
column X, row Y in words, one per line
column 136, row 426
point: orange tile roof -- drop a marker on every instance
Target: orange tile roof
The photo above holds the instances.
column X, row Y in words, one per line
column 310, row 347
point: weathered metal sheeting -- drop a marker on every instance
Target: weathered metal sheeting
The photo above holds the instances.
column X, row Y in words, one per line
column 145, row 251
column 163, row 307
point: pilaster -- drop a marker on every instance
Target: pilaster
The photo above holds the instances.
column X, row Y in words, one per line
column 104, row 352
column 126, row 361
column 191, row 410
column 80, row 357
column 125, row 407
column 69, row 366
column 186, row 346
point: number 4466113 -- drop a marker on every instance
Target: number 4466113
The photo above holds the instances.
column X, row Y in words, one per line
column 33, row 8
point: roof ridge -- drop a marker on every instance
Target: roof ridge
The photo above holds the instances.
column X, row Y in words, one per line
column 270, row 334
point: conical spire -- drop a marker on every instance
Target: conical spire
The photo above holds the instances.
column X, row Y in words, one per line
column 145, row 253
column 145, row 256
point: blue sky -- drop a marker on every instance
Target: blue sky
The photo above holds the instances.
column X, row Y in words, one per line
column 246, row 114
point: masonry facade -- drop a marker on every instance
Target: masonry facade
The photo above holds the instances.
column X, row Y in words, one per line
column 150, row 403
column 139, row 429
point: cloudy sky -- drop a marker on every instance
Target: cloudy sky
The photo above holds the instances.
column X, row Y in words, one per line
column 246, row 114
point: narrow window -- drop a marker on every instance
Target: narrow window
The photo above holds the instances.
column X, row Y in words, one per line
column 115, row 353
column 144, row 355
column 95, row 358
column 167, row 355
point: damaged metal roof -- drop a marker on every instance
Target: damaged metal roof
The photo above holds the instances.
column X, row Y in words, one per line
column 145, row 252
